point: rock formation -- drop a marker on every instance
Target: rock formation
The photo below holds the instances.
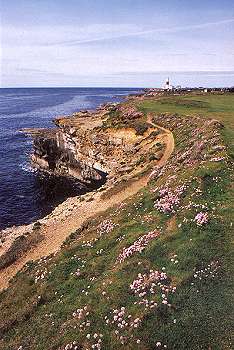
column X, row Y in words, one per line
column 91, row 146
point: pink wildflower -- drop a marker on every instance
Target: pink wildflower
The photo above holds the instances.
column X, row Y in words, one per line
column 145, row 286
column 137, row 246
column 106, row 227
column 201, row 218
column 169, row 200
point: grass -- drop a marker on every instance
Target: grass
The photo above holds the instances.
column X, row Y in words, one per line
column 39, row 316
column 19, row 247
column 218, row 106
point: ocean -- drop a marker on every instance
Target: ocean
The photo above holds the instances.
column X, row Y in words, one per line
column 27, row 195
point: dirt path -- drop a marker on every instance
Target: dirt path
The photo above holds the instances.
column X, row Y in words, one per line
column 170, row 143
column 56, row 232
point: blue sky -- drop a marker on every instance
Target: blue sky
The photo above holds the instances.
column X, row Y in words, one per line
column 116, row 42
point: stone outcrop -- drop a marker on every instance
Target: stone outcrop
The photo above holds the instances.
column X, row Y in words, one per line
column 82, row 147
column 61, row 153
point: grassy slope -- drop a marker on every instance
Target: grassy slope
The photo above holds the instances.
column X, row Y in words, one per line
column 218, row 106
column 39, row 315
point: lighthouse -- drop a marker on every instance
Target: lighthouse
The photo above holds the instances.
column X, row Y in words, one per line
column 167, row 86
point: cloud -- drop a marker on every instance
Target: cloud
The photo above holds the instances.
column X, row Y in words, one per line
column 56, row 35
column 23, row 70
column 151, row 73
column 142, row 33
column 67, row 35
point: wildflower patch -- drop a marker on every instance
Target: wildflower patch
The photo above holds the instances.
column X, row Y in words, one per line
column 148, row 286
column 169, row 200
column 138, row 246
column 201, row 218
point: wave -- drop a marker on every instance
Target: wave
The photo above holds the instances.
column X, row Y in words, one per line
column 26, row 167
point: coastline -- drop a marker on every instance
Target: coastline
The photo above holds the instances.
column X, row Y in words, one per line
column 67, row 216
column 173, row 206
column 45, row 236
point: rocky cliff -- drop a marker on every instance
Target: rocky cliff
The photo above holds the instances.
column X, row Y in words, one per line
column 93, row 146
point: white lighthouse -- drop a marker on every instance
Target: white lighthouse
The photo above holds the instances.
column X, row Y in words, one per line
column 167, row 86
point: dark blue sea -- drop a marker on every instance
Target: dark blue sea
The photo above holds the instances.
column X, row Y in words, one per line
column 25, row 194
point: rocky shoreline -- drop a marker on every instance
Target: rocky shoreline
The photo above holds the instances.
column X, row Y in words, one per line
column 92, row 147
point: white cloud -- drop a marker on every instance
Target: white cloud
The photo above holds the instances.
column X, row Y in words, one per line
column 126, row 34
column 56, row 35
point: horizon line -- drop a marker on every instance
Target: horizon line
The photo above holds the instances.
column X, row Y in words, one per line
column 115, row 87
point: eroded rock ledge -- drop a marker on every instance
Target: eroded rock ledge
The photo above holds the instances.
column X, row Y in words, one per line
column 91, row 146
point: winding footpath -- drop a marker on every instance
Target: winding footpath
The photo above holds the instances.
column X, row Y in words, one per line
column 56, row 232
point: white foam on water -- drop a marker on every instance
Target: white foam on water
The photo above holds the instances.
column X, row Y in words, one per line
column 25, row 166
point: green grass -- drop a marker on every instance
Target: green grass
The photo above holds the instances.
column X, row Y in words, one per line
column 39, row 316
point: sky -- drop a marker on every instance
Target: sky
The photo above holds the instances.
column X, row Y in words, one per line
column 128, row 43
